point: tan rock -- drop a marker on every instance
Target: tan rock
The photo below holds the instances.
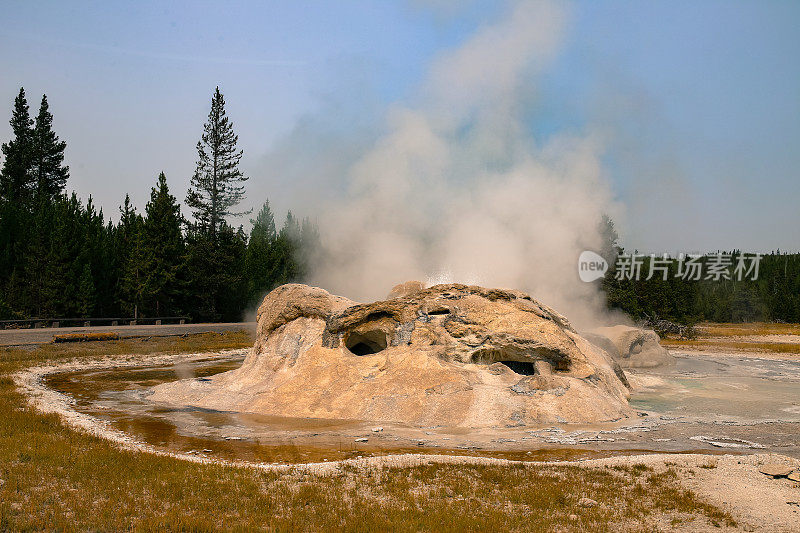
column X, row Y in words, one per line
column 794, row 476
column 453, row 355
column 632, row 347
column 409, row 288
column 775, row 470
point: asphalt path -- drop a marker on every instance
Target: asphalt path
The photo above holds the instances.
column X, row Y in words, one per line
column 21, row 337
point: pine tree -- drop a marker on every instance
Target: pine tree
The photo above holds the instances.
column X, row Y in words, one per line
column 309, row 250
column 48, row 168
column 284, row 263
column 64, row 247
column 16, row 179
column 260, row 253
column 86, row 293
column 132, row 257
column 69, row 256
column 16, row 192
column 232, row 283
column 215, row 274
column 216, row 186
column 263, row 225
column 163, row 244
column 37, row 258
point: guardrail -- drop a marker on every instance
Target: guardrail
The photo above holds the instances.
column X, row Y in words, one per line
column 87, row 322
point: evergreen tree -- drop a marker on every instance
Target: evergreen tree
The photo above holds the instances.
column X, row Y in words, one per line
column 163, row 244
column 16, row 189
column 47, row 164
column 232, row 282
column 309, row 249
column 286, row 247
column 37, row 260
column 131, row 288
column 260, row 252
column 608, row 234
column 215, row 274
column 86, row 293
column 216, row 186
column 16, row 179
column 67, row 258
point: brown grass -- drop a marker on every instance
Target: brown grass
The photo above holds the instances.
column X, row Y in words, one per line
column 699, row 344
column 54, row 478
column 85, row 337
column 716, row 336
column 756, row 328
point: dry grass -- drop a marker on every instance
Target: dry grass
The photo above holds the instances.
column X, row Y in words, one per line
column 755, row 328
column 12, row 359
column 54, row 478
column 728, row 337
column 699, row 344
column 85, row 337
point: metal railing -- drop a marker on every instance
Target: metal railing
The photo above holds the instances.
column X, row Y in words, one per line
column 87, row 322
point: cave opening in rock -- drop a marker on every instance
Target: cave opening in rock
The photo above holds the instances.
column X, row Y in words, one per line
column 524, row 368
column 367, row 343
column 488, row 357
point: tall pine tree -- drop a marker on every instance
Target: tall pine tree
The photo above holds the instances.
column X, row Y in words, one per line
column 16, row 193
column 217, row 184
column 163, row 248
column 16, row 179
column 47, row 163
column 132, row 258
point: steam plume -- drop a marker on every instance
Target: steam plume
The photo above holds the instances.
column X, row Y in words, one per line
column 456, row 189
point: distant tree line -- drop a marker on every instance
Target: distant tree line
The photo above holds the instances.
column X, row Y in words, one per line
column 773, row 296
column 60, row 257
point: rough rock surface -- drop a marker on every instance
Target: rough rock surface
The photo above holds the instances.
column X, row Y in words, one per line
column 448, row 355
column 632, row 347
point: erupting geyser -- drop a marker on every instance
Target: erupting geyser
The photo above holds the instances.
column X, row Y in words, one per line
column 448, row 355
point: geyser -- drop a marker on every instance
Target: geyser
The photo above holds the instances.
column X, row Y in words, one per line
column 448, row 355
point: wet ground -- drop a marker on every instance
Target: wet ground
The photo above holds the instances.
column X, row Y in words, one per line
column 706, row 403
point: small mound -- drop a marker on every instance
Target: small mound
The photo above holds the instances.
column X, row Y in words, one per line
column 632, row 347
column 448, row 355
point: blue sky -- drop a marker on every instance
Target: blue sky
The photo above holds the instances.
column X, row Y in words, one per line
column 699, row 101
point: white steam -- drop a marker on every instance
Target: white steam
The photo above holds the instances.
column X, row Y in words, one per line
column 457, row 189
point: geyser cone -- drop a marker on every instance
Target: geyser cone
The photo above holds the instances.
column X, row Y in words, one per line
column 449, row 355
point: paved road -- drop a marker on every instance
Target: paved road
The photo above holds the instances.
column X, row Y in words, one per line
column 15, row 337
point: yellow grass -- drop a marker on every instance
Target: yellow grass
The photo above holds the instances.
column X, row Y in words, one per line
column 699, row 344
column 756, row 328
column 727, row 337
column 85, row 337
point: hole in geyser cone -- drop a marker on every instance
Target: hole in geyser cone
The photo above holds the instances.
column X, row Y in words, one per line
column 487, row 357
column 366, row 343
column 524, row 368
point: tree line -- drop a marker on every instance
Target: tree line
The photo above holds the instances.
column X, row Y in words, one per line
column 61, row 257
column 772, row 295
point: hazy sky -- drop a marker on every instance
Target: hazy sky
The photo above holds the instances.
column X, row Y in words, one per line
column 697, row 103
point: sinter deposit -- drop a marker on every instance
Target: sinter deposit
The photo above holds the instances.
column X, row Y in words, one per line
column 449, row 355
column 632, row 347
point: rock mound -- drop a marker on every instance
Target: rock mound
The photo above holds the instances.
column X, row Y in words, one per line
column 632, row 347
column 450, row 355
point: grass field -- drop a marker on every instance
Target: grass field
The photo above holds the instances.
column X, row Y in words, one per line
column 753, row 328
column 739, row 338
column 53, row 478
